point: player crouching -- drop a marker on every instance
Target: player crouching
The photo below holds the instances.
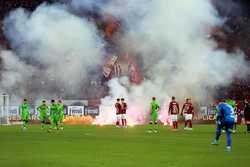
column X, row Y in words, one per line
column 224, row 119
column 173, row 111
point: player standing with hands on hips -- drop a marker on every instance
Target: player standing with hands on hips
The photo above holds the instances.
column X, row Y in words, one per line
column 187, row 111
column 155, row 106
column 173, row 111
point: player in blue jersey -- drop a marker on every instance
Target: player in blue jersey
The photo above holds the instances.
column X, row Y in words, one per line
column 224, row 119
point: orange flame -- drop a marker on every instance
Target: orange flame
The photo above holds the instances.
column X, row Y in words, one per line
column 76, row 120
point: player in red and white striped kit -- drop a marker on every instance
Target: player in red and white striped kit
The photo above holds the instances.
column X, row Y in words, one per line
column 187, row 111
column 123, row 112
column 173, row 111
column 118, row 107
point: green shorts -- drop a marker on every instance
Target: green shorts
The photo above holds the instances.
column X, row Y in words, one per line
column 55, row 119
column 25, row 117
column 42, row 117
column 61, row 118
column 154, row 116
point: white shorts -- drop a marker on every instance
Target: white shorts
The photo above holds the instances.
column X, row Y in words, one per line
column 123, row 116
column 174, row 118
column 118, row 116
column 188, row 117
column 235, row 119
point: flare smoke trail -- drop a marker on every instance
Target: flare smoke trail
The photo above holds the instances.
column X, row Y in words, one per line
column 179, row 58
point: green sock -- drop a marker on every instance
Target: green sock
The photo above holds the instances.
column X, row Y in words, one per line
column 55, row 126
column 61, row 125
column 151, row 126
column 42, row 125
column 51, row 126
column 156, row 126
column 25, row 124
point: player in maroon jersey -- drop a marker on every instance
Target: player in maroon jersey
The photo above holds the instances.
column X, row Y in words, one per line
column 118, row 107
column 187, row 111
column 239, row 112
column 173, row 111
column 123, row 113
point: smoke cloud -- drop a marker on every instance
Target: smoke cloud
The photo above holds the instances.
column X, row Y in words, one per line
column 56, row 49
column 54, row 52
column 230, row 7
column 179, row 59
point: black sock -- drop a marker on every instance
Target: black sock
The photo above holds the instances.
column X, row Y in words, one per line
column 248, row 127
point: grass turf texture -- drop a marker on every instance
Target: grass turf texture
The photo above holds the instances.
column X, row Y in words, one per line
column 91, row 146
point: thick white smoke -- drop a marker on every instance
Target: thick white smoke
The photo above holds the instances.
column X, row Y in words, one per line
column 179, row 58
column 14, row 74
column 170, row 37
column 60, row 47
column 91, row 5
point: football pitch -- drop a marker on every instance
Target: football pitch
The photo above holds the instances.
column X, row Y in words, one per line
column 108, row 146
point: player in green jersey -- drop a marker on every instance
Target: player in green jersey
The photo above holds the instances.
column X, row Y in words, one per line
column 154, row 107
column 61, row 113
column 25, row 113
column 43, row 110
column 54, row 115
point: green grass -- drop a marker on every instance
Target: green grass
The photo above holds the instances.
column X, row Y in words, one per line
column 91, row 146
